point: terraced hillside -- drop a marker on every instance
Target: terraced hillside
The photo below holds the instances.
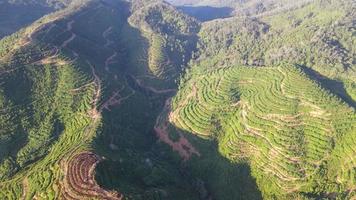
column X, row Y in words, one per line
column 48, row 106
column 111, row 99
column 289, row 123
column 283, row 124
column 315, row 36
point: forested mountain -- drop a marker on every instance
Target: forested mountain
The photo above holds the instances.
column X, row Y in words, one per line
column 113, row 99
column 205, row 2
column 49, row 3
column 15, row 14
column 209, row 10
column 245, row 7
column 171, row 36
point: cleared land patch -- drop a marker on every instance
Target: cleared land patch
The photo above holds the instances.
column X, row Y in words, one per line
column 79, row 181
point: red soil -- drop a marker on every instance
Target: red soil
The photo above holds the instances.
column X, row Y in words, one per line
column 184, row 148
column 79, row 182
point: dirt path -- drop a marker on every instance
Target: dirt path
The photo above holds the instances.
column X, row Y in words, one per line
column 65, row 43
column 81, row 87
column 184, row 148
column 30, row 34
column 173, row 115
column 152, row 89
column 105, row 36
column 110, row 60
column 256, row 132
column 24, row 188
column 115, row 99
column 94, row 113
column 69, row 29
column 53, row 59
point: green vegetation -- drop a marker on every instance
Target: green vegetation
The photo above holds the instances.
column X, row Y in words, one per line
column 171, row 37
column 289, row 130
column 264, row 107
column 66, row 89
column 311, row 36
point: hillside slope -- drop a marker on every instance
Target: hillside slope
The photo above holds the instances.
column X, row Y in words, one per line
column 107, row 99
column 171, row 36
column 64, row 80
column 276, row 91
column 244, row 7
column 297, row 138
column 315, row 36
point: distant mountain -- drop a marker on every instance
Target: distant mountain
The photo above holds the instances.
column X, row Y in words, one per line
column 50, row 3
column 205, row 2
column 16, row 14
column 245, row 7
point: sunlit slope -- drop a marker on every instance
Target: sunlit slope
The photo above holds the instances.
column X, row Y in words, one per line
column 297, row 137
column 315, row 36
column 82, row 88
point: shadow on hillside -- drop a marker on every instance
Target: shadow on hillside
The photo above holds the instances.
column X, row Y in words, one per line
column 14, row 16
column 206, row 13
column 334, row 86
column 222, row 178
column 139, row 166
column 156, row 170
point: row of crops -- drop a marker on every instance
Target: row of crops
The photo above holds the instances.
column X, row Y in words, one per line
column 54, row 115
column 291, row 130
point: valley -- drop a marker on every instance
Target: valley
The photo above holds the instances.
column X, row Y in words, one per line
column 104, row 99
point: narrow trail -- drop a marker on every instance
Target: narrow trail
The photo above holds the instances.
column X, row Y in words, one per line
column 94, row 113
column 317, row 110
column 105, row 36
column 73, row 36
column 50, row 59
column 256, row 132
column 152, row 89
column 47, row 60
column 24, row 188
column 115, row 99
column 184, row 148
column 53, row 59
column 81, row 87
column 30, row 34
column 173, row 115
column 110, row 60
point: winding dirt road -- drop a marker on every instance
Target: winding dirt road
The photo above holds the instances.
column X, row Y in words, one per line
column 152, row 89
column 73, row 36
column 95, row 114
